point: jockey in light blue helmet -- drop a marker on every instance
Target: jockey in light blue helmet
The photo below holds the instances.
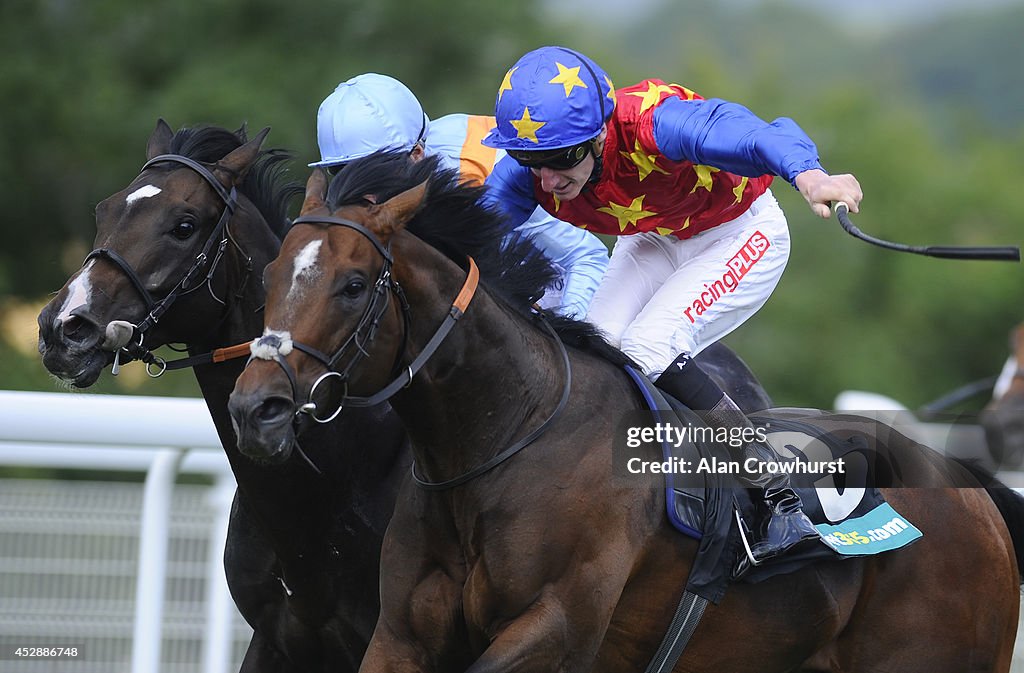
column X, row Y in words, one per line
column 373, row 112
column 365, row 114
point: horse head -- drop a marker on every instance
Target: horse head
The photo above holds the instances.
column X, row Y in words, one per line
column 1003, row 417
column 334, row 311
column 172, row 236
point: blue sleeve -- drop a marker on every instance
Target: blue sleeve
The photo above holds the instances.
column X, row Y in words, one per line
column 727, row 135
column 580, row 256
column 510, row 189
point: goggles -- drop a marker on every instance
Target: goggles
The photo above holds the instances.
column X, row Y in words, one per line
column 561, row 159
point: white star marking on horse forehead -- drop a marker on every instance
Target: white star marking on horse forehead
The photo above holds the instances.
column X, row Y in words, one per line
column 304, row 268
column 144, row 192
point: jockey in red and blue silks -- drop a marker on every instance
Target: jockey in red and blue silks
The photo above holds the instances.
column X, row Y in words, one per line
column 372, row 112
column 683, row 182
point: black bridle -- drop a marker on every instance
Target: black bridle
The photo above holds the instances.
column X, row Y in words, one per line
column 355, row 348
column 277, row 349
column 155, row 309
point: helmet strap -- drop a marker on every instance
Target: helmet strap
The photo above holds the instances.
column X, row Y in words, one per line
column 595, row 173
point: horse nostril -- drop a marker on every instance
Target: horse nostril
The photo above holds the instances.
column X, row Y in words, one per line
column 273, row 411
column 73, row 328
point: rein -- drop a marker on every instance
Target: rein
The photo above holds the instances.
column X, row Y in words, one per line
column 274, row 347
column 522, row 443
column 271, row 346
column 219, row 237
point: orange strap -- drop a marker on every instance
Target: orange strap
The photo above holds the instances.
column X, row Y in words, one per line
column 468, row 288
column 231, row 352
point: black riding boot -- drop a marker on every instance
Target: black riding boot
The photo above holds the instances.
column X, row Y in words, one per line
column 787, row 524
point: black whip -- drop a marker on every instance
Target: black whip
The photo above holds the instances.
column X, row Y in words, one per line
column 999, row 253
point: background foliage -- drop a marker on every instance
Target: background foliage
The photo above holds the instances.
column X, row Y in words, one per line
column 929, row 118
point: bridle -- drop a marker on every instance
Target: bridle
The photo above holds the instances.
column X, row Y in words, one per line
column 354, row 349
column 272, row 346
column 219, row 237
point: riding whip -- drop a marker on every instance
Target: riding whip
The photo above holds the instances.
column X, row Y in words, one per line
column 998, row 253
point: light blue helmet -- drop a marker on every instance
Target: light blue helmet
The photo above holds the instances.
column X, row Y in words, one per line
column 367, row 113
column 553, row 97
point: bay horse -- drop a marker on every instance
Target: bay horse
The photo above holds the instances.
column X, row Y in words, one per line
column 303, row 544
column 542, row 560
column 1003, row 417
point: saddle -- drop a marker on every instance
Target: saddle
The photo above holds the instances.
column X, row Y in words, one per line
column 704, row 500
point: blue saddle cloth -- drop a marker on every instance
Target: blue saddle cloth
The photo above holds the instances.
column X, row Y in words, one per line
column 707, row 503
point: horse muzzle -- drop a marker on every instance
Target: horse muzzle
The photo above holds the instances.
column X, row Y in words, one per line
column 263, row 425
column 72, row 346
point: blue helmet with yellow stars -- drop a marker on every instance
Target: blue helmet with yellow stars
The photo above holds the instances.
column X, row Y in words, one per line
column 553, row 97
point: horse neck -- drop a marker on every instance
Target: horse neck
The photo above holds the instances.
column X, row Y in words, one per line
column 494, row 379
column 241, row 318
column 275, row 495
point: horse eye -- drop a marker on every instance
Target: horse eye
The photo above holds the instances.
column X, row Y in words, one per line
column 354, row 288
column 183, row 230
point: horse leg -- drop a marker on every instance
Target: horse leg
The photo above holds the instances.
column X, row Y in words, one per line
column 263, row 657
column 544, row 638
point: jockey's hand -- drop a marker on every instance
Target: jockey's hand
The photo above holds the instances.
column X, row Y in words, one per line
column 821, row 189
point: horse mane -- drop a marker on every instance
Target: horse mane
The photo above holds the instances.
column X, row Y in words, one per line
column 459, row 223
column 266, row 184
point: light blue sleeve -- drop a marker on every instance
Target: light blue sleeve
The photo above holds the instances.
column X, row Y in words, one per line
column 510, row 189
column 445, row 136
column 580, row 256
column 727, row 135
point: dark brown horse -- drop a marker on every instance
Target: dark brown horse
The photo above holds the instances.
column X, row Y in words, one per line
column 545, row 561
column 303, row 545
column 1003, row 417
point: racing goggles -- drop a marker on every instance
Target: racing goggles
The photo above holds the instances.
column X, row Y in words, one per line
column 561, row 159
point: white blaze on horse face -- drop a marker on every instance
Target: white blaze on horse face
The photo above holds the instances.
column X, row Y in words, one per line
column 142, row 193
column 304, row 270
column 78, row 293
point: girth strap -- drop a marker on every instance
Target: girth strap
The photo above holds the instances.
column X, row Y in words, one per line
column 684, row 623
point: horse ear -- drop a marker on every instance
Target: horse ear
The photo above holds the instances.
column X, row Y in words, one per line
column 160, row 140
column 231, row 169
column 394, row 213
column 316, row 190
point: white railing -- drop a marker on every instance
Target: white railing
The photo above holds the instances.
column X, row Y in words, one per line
column 162, row 437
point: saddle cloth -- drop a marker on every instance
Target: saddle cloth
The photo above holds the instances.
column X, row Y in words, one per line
column 705, row 501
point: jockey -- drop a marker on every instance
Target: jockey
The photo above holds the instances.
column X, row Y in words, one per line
column 683, row 182
column 374, row 112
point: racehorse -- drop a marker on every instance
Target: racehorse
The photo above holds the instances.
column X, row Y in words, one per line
column 303, row 543
column 542, row 560
column 1003, row 416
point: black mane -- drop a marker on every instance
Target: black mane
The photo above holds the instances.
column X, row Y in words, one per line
column 265, row 184
column 455, row 220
